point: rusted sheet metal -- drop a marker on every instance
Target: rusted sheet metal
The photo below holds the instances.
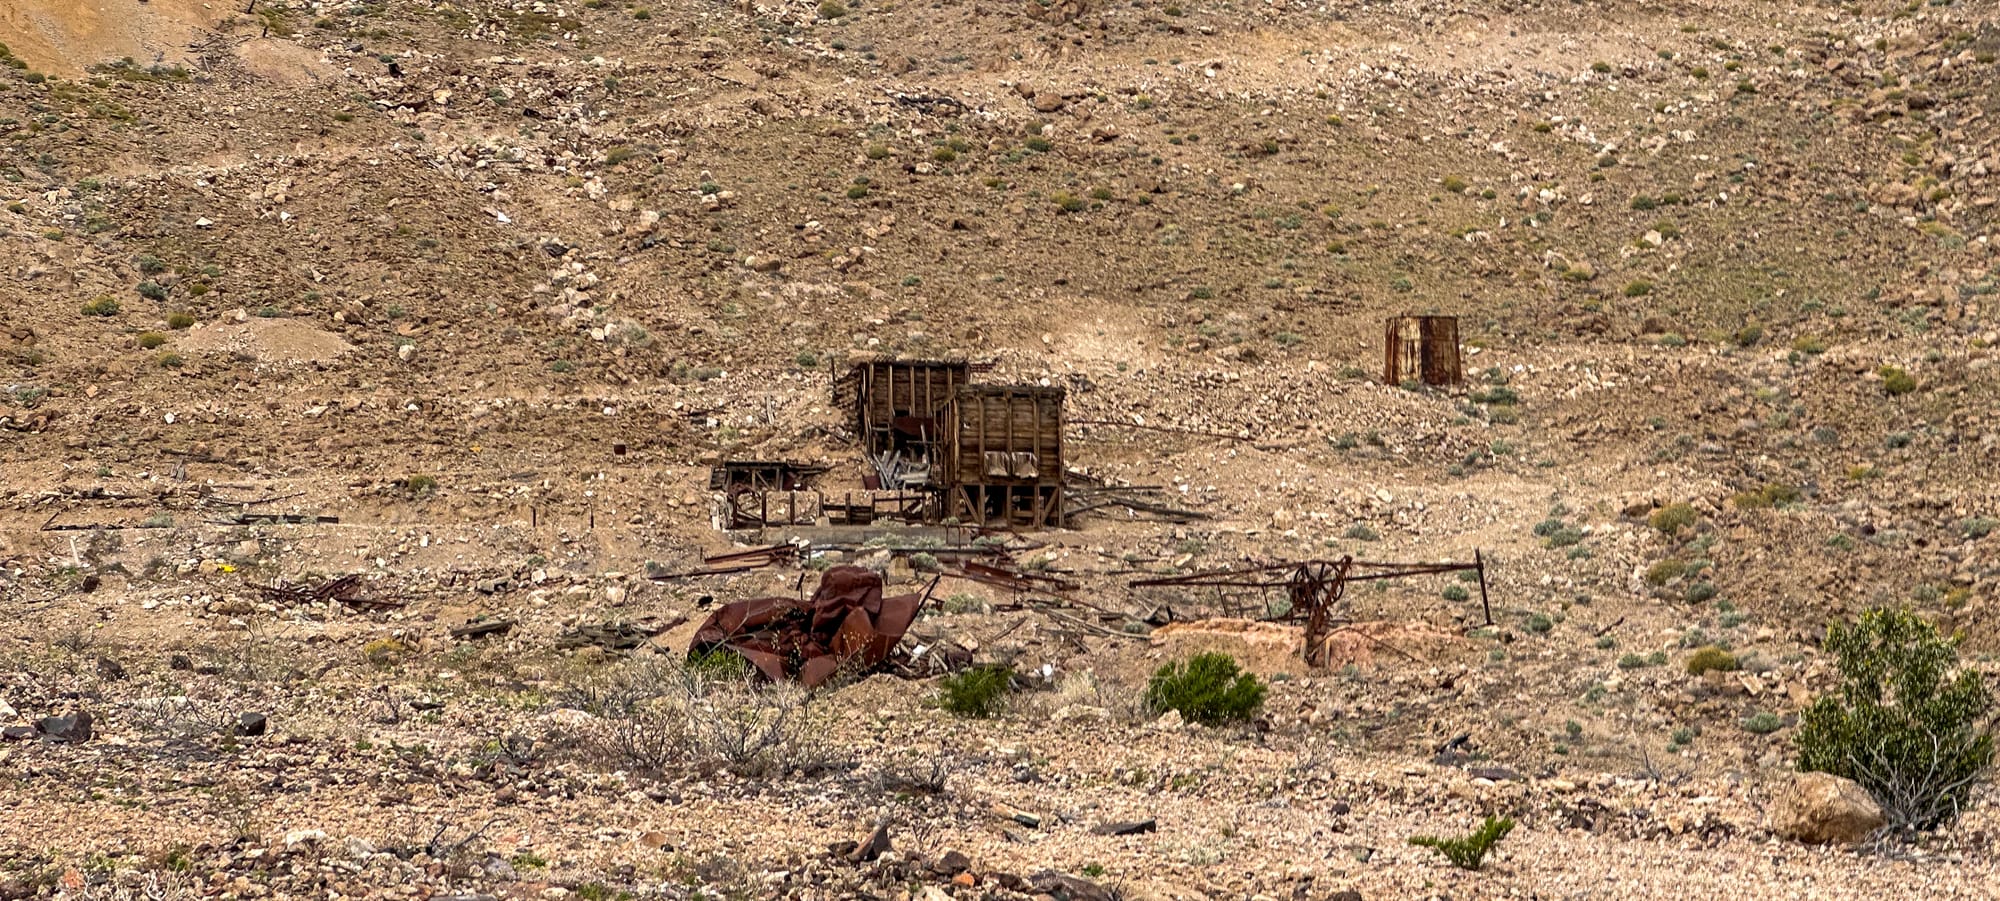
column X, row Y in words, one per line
column 846, row 621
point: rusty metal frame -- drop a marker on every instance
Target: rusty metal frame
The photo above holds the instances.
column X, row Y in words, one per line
column 1316, row 588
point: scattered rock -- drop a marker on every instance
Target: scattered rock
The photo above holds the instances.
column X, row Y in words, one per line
column 1134, row 827
column 252, row 724
column 875, row 845
column 74, row 729
column 1064, row 887
column 1821, row 808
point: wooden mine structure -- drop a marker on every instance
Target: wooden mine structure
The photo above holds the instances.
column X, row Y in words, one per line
column 1000, row 459
column 894, row 400
column 1422, row 349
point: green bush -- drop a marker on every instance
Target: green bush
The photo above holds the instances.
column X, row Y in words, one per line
column 179, row 321
column 104, row 305
column 151, row 340
column 978, row 692
column 1907, row 722
column 1896, row 381
column 1208, row 688
column 1468, row 853
column 1710, row 658
column 1762, row 723
column 1672, row 518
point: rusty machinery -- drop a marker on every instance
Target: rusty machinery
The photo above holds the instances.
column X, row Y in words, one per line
column 1315, row 588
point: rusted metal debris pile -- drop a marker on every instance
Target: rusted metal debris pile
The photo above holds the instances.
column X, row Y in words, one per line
column 348, row 590
column 847, row 622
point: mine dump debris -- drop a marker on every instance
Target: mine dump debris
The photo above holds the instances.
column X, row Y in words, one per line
column 736, row 562
column 1315, row 589
column 617, row 635
column 348, row 590
column 846, row 622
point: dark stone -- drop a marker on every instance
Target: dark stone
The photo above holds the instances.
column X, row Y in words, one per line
column 875, row 845
column 110, row 670
column 1340, row 808
column 1495, row 773
column 252, row 724
column 951, row 863
column 1064, row 887
column 1349, row 895
column 73, row 729
column 425, row 704
column 1009, row 881
column 91, row 583
column 1135, row 827
column 180, row 663
column 17, row 733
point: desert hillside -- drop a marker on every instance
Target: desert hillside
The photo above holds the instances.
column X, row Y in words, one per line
column 464, row 300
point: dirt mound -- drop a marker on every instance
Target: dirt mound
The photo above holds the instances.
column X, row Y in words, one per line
column 269, row 341
column 65, row 38
column 1267, row 648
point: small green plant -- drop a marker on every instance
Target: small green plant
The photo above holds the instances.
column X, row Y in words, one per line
column 420, row 485
column 1672, row 518
column 1468, row 853
column 1208, row 688
column 831, row 10
column 980, row 692
column 1762, row 723
column 1638, row 288
column 180, row 321
column 102, row 305
column 170, row 361
column 1908, row 721
column 150, row 340
column 152, row 291
column 383, row 653
column 1069, row 203
column 1710, row 658
column 1896, row 381
column 1361, row 531
column 1454, row 184
column 1456, row 592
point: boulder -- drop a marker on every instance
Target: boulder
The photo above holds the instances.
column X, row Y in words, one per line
column 1821, row 808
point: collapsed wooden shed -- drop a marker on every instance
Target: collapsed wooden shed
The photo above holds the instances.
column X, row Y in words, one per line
column 894, row 404
column 1000, row 459
column 1422, row 349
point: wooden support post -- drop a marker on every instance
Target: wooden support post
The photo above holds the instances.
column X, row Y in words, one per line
column 1479, row 562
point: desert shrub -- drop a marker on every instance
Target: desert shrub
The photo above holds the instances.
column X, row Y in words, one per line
column 978, row 692
column 1774, row 494
column 1665, row 571
column 1208, row 688
column 179, row 321
column 1672, row 518
column 1454, row 184
column 1896, row 381
column 1907, row 722
column 152, row 291
column 104, row 305
column 1762, row 723
column 419, row 485
column 660, row 716
column 1539, row 623
column 150, row 340
column 1456, row 593
column 1710, row 658
column 384, row 652
column 1468, row 853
